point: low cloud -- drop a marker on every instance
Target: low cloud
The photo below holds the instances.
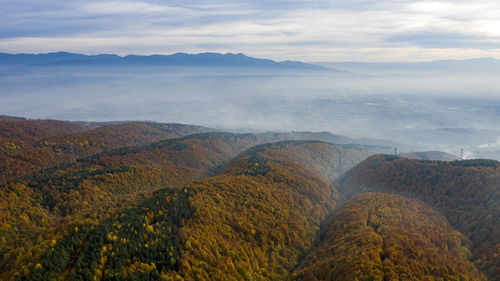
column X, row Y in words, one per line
column 490, row 145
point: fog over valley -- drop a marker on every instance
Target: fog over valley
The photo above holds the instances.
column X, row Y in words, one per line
column 440, row 105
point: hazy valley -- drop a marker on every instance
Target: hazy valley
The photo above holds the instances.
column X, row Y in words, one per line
column 442, row 105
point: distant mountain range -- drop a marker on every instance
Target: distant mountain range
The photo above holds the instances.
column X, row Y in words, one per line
column 230, row 60
column 177, row 60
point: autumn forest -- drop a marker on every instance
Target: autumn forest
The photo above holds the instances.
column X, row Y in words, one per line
column 165, row 201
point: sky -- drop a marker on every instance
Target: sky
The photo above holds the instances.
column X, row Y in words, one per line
column 313, row 30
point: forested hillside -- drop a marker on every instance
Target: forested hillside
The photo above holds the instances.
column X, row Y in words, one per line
column 138, row 243
column 40, row 208
column 466, row 192
column 151, row 201
column 258, row 223
column 87, row 187
column 18, row 139
column 31, row 145
column 388, row 237
column 325, row 159
column 254, row 225
column 30, row 131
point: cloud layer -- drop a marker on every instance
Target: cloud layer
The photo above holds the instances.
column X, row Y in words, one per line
column 369, row 30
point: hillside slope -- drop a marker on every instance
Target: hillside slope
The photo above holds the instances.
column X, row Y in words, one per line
column 41, row 207
column 325, row 159
column 466, row 192
column 255, row 226
column 388, row 237
column 32, row 145
column 30, row 131
column 257, row 223
column 200, row 205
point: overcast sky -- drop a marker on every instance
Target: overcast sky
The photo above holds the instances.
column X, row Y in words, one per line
column 313, row 30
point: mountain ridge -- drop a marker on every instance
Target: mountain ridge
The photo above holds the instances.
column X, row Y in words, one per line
column 207, row 59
